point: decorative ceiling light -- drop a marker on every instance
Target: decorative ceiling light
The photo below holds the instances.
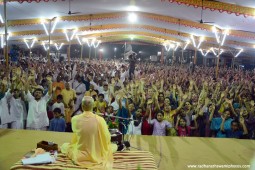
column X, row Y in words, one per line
column 131, row 37
column 54, row 25
column 187, row 43
column 92, row 42
column 201, row 39
column 193, row 40
column 221, row 51
column 225, row 33
column 202, row 52
column 59, row 47
column 215, row 31
column 218, row 52
column 171, row 44
column 78, row 39
column 32, row 42
column 66, row 31
column 45, row 47
column 132, row 17
column 45, row 21
column 241, row 50
column 1, row 19
column 212, row 49
column 220, row 38
column 132, row 8
column 177, row 45
column 207, row 52
column 2, row 39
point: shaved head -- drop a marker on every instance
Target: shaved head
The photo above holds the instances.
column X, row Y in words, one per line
column 87, row 103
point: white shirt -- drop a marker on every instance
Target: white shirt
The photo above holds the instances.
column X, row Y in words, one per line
column 134, row 130
column 61, row 106
column 17, row 108
column 37, row 112
column 123, row 76
column 79, row 88
column 101, row 91
column 4, row 111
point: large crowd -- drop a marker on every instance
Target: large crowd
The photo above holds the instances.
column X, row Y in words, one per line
column 137, row 98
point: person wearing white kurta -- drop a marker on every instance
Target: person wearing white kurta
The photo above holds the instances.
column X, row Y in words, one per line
column 18, row 110
column 4, row 113
column 134, row 130
column 37, row 118
column 80, row 90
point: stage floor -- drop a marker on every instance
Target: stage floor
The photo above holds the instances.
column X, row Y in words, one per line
column 170, row 153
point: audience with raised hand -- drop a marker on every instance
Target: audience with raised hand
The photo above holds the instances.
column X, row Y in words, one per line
column 153, row 100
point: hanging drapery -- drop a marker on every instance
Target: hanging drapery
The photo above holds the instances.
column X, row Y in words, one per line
column 217, row 6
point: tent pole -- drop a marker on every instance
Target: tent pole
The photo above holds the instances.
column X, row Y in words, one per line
column 81, row 51
column 6, row 34
column 218, row 60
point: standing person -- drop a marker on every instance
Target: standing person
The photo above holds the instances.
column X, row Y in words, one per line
column 234, row 131
column 58, row 86
column 5, row 117
column 135, row 126
column 160, row 126
column 58, row 123
column 102, row 90
column 182, row 128
column 18, row 110
column 37, row 118
column 69, row 97
column 59, row 104
column 91, row 144
column 132, row 61
column 80, row 89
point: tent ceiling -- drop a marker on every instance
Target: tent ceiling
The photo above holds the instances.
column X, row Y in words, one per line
column 178, row 14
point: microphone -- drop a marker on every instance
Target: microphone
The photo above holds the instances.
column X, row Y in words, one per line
column 122, row 118
column 126, row 143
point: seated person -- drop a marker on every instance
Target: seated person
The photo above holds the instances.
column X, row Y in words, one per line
column 91, row 144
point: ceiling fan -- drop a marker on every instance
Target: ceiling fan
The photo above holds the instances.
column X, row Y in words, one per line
column 69, row 11
column 201, row 21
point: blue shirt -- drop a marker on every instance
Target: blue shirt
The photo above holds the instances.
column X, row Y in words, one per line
column 216, row 123
column 57, row 125
column 123, row 112
column 234, row 134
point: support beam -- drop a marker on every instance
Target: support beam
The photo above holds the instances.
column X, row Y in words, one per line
column 69, row 53
column 81, row 51
column 89, row 52
column 6, row 34
column 195, row 57
column 49, row 31
column 162, row 55
column 218, row 60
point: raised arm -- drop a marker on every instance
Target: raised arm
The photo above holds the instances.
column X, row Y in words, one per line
column 241, row 120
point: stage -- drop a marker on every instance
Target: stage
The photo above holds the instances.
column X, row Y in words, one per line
column 170, row 153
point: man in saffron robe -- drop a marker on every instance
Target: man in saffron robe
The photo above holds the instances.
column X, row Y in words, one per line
column 91, row 144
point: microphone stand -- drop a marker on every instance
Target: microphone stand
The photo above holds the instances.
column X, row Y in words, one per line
column 126, row 143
